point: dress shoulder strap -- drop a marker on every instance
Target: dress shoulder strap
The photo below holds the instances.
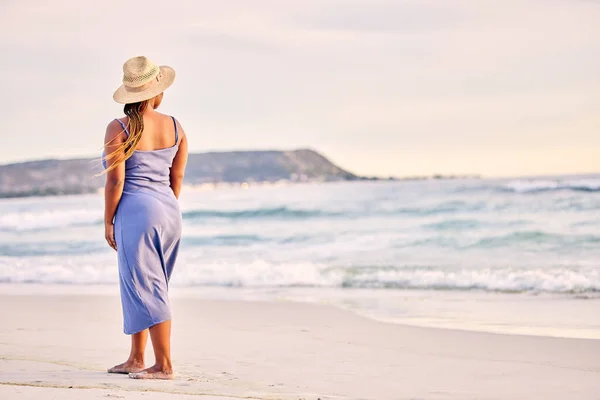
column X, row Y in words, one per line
column 124, row 126
column 176, row 130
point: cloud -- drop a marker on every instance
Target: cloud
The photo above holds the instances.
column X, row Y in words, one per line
column 365, row 81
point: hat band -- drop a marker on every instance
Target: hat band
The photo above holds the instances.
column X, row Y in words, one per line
column 140, row 80
column 145, row 86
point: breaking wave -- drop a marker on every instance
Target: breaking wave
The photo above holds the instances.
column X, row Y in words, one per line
column 262, row 274
column 538, row 185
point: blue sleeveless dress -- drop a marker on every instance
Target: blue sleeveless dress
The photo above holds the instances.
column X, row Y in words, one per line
column 147, row 232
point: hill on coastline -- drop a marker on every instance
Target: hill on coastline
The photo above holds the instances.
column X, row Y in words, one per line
column 78, row 176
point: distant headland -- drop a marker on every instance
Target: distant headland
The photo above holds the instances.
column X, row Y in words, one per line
column 79, row 176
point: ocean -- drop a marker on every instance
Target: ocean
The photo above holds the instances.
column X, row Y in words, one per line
column 505, row 255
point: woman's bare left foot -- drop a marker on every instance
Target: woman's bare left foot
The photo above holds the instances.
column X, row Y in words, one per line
column 126, row 368
column 153, row 372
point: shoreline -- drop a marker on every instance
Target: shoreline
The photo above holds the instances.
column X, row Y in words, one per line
column 470, row 311
column 284, row 350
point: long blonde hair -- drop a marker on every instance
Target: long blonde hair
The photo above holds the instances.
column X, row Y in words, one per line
column 135, row 125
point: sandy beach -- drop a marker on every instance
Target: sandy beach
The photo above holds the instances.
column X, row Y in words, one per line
column 59, row 346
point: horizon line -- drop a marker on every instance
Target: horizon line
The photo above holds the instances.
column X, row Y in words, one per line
column 399, row 177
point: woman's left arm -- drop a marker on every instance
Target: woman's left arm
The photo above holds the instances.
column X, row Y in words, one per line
column 115, row 179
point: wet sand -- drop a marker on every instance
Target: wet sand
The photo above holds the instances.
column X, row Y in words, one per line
column 59, row 346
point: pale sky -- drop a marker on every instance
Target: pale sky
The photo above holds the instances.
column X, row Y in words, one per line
column 381, row 87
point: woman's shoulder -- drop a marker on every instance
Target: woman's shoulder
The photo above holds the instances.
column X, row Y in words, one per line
column 174, row 120
column 116, row 127
column 166, row 116
column 117, row 123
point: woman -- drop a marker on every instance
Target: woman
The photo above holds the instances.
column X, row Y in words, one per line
column 144, row 157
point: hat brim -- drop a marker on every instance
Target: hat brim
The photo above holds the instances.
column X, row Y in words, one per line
column 124, row 96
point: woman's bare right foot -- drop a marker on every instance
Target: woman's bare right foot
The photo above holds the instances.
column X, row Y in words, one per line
column 153, row 372
column 127, row 367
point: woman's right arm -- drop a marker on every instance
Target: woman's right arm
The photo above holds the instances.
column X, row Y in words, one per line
column 179, row 163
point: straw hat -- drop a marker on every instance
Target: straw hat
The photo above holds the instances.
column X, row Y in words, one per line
column 143, row 80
